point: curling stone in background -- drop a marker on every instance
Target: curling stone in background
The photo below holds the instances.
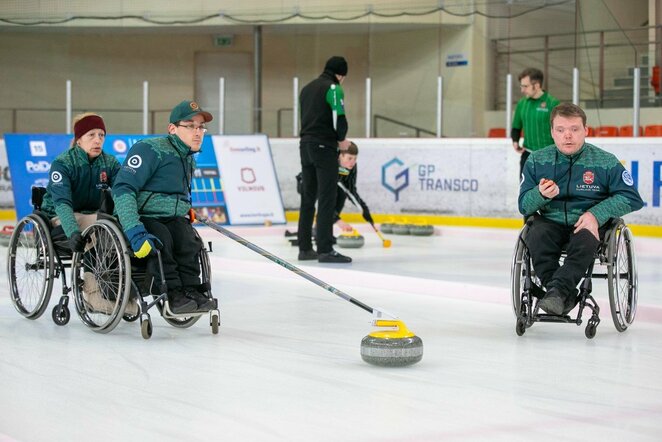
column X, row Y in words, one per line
column 386, row 228
column 352, row 240
column 5, row 235
column 401, row 229
column 421, row 229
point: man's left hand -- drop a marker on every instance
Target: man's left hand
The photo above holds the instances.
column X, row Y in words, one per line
column 589, row 222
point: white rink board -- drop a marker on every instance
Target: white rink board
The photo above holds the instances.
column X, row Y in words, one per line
column 486, row 168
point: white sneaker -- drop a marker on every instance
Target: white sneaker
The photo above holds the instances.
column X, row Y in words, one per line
column 94, row 300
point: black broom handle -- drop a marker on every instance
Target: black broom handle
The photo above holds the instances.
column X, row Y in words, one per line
column 283, row 263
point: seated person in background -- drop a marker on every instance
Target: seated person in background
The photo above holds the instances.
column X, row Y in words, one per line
column 152, row 196
column 573, row 188
column 347, row 173
column 73, row 195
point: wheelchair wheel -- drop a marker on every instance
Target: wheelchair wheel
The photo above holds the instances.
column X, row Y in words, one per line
column 517, row 271
column 104, row 266
column 622, row 278
column 30, row 266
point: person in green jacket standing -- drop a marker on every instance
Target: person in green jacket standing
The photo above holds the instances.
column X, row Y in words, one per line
column 532, row 115
column 572, row 189
column 152, row 195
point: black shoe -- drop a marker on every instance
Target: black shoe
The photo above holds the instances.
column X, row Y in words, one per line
column 553, row 302
column 307, row 255
column 203, row 302
column 179, row 303
column 335, row 257
column 570, row 302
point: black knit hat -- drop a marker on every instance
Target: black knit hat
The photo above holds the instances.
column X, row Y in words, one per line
column 336, row 65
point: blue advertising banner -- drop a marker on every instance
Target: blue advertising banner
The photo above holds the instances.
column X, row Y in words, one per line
column 30, row 157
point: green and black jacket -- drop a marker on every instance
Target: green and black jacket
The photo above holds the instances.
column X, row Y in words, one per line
column 591, row 180
column 75, row 184
column 154, row 181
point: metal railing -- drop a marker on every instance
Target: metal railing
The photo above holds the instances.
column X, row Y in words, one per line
column 419, row 130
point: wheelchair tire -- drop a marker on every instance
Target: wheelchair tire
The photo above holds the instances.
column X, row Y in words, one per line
column 517, row 271
column 520, row 327
column 622, row 277
column 146, row 328
column 108, row 261
column 30, row 266
column 61, row 315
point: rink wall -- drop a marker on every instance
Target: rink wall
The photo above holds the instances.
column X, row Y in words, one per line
column 458, row 181
column 462, row 180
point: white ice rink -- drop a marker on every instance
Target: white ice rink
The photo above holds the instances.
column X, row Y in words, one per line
column 286, row 363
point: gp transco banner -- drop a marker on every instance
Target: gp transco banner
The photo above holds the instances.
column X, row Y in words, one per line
column 472, row 177
column 30, row 158
column 249, row 179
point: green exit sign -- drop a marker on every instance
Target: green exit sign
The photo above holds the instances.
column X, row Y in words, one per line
column 223, row 40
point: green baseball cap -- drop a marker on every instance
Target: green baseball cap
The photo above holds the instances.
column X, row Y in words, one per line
column 188, row 109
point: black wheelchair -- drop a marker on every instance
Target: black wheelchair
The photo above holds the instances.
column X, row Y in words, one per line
column 616, row 253
column 36, row 258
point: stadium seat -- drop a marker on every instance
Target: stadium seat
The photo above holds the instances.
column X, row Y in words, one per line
column 626, row 131
column 606, row 131
column 653, row 130
column 591, row 131
column 497, row 132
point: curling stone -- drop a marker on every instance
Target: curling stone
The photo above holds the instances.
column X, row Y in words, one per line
column 352, row 240
column 5, row 235
column 396, row 347
column 401, row 229
column 421, row 229
column 387, row 228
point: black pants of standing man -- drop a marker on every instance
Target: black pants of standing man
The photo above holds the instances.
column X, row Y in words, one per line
column 319, row 173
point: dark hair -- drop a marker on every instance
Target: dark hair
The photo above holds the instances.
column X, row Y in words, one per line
column 351, row 150
column 567, row 110
column 535, row 75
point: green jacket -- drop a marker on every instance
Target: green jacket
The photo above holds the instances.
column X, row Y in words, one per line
column 154, row 181
column 75, row 184
column 591, row 180
column 532, row 116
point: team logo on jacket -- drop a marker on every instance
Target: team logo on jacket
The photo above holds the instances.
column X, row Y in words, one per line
column 103, row 177
column 56, row 177
column 134, row 161
column 588, row 177
column 627, row 178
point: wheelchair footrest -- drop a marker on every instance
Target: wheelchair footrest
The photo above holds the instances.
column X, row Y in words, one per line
column 555, row 318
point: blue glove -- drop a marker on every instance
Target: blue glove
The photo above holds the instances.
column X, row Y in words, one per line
column 142, row 242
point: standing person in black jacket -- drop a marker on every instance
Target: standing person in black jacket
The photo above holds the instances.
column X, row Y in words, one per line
column 323, row 132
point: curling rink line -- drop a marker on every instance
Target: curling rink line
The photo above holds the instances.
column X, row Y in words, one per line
column 345, row 278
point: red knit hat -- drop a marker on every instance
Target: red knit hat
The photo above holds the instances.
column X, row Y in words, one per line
column 86, row 124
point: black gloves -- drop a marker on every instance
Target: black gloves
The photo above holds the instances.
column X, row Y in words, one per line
column 77, row 242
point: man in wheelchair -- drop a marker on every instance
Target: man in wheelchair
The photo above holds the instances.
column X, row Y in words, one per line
column 152, row 195
column 570, row 190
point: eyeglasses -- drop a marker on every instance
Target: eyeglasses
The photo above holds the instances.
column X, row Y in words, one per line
column 202, row 128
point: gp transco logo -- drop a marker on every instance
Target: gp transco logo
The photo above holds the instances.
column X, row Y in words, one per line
column 134, row 161
column 395, row 176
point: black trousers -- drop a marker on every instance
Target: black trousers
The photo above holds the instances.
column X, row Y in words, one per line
column 546, row 240
column 319, row 173
column 179, row 254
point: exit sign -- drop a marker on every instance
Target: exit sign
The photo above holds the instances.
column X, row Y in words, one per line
column 223, row 40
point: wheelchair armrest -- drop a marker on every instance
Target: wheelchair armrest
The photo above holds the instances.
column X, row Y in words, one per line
column 38, row 197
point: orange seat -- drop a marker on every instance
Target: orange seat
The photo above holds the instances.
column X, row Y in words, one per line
column 606, row 131
column 497, row 132
column 627, row 131
column 591, row 131
column 654, row 130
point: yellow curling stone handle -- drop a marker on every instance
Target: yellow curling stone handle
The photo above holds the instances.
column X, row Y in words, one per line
column 399, row 330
